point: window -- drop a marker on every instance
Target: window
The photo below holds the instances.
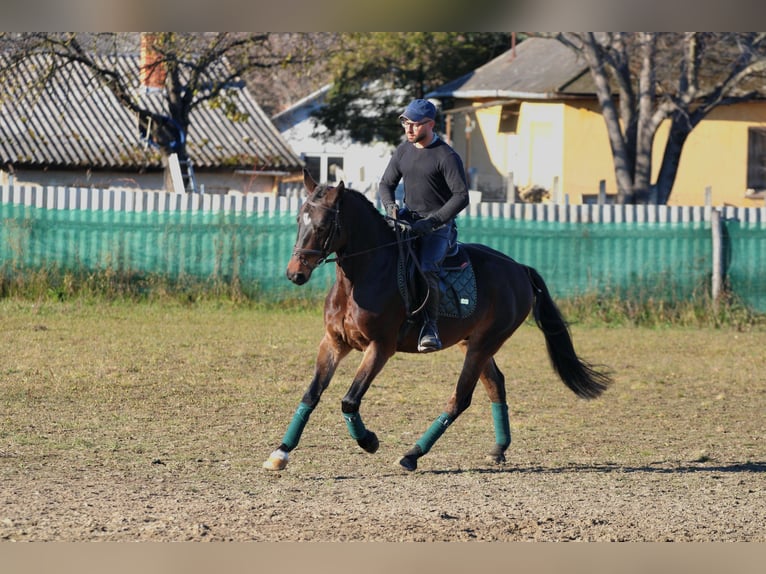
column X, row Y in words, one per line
column 756, row 158
column 509, row 118
column 324, row 168
column 335, row 169
column 314, row 165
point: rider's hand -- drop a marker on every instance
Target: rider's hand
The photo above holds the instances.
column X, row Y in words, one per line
column 392, row 210
column 423, row 226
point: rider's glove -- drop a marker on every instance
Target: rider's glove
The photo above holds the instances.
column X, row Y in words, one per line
column 423, row 226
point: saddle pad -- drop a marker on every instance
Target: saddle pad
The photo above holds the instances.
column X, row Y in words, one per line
column 457, row 283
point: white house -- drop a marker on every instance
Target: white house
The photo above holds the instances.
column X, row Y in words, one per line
column 359, row 165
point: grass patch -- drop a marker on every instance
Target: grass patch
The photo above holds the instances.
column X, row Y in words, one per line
column 700, row 311
column 641, row 308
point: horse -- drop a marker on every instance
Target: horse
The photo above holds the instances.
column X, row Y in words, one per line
column 364, row 310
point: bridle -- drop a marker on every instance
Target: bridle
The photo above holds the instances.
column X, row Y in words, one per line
column 323, row 253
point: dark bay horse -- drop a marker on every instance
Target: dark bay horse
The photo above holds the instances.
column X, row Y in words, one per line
column 364, row 311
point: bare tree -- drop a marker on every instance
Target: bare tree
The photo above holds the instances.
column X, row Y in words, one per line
column 643, row 79
column 190, row 68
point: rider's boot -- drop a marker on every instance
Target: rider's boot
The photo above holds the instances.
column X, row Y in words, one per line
column 429, row 334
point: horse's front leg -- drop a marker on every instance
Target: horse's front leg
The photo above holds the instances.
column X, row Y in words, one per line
column 375, row 357
column 330, row 353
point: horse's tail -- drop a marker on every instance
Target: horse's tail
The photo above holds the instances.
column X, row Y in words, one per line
column 581, row 377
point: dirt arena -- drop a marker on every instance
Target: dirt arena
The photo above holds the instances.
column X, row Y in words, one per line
column 147, row 424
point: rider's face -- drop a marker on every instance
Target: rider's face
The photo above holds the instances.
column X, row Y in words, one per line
column 417, row 131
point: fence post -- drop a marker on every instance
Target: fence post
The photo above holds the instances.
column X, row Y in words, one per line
column 602, row 192
column 510, row 188
column 717, row 284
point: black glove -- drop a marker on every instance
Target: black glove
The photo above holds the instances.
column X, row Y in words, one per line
column 423, row 226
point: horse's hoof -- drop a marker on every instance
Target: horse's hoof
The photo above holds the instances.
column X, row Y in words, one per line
column 495, row 458
column 370, row 442
column 497, row 454
column 408, row 463
column 277, row 460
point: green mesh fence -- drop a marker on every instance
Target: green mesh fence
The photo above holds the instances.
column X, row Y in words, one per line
column 658, row 259
column 745, row 247
column 669, row 260
column 251, row 247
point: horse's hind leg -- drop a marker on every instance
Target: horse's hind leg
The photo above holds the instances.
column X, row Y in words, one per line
column 473, row 367
column 494, row 383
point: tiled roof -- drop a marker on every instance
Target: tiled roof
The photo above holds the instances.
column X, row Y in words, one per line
column 76, row 123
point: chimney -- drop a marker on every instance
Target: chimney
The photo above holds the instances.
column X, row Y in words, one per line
column 152, row 71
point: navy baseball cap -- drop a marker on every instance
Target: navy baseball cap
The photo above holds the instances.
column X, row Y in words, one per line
column 418, row 110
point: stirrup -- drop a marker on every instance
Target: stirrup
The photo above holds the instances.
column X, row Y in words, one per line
column 429, row 339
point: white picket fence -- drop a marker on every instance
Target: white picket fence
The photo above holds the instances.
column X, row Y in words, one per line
column 132, row 200
column 161, row 201
column 609, row 213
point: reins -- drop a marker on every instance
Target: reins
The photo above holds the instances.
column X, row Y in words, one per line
column 403, row 241
column 324, row 253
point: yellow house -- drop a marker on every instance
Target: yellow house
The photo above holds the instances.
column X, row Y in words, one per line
column 529, row 120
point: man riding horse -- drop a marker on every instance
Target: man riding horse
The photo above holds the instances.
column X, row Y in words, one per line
column 435, row 191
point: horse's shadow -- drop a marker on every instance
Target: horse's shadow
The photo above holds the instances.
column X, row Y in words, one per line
column 667, row 467
column 664, row 467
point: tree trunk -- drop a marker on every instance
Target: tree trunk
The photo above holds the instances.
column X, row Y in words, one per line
column 621, row 152
column 671, row 158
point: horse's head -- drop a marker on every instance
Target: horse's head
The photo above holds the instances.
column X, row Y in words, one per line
column 319, row 229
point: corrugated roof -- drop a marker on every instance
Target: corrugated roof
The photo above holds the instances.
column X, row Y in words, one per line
column 76, row 123
column 542, row 68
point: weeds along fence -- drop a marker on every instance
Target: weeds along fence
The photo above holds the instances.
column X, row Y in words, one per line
column 661, row 252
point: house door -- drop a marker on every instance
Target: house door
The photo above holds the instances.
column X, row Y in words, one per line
column 543, row 156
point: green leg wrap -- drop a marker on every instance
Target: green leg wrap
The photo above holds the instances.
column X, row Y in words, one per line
column 294, row 431
column 433, row 433
column 355, row 425
column 502, row 426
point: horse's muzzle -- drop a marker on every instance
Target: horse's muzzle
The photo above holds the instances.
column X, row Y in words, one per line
column 297, row 277
column 297, row 271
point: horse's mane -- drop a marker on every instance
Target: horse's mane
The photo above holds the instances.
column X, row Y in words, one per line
column 365, row 201
column 359, row 198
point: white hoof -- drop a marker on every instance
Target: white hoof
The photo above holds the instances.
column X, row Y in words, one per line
column 277, row 460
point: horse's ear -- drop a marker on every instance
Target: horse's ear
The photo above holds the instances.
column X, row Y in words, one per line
column 339, row 190
column 308, row 181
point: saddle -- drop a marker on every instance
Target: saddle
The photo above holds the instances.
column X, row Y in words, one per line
column 457, row 284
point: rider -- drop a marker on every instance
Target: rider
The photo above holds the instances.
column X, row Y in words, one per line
column 435, row 191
